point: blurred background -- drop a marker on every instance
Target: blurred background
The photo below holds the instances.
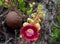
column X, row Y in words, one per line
column 50, row 26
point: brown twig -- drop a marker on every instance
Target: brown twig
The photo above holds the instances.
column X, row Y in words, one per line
column 36, row 18
column 5, row 13
column 14, row 8
column 8, row 40
column 4, row 34
column 15, row 36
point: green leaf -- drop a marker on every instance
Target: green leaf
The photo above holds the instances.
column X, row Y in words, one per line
column 1, row 2
column 14, row 1
column 29, row 11
column 56, row 31
column 22, row 8
column 58, row 17
column 21, row 5
column 6, row 5
column 55, row 34
column 21, row 1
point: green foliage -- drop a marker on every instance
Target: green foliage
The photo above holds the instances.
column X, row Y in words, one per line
column 23, row 8
column 56, row 31
column 29, row 10
column 1, row 2
column 14, row 1
column 59, row 3
column 58, row 17
column 6, row 5
column 21, row 5
column 55, row 34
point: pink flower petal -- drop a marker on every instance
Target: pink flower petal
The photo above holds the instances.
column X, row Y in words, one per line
column 27, row 35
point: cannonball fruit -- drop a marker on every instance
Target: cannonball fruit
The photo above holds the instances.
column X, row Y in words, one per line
column 13, row 20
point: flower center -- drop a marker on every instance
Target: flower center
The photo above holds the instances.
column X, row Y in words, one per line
column 29, row 32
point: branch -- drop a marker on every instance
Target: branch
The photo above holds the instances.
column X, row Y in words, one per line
column 14, row 8
column 56, row 25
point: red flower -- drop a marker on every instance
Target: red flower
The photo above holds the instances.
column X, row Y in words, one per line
column 29, row 32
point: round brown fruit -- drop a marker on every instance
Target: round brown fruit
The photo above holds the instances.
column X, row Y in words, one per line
column 13, row 19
